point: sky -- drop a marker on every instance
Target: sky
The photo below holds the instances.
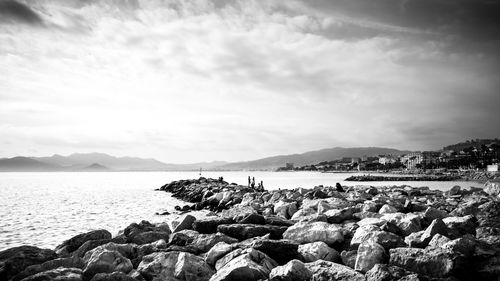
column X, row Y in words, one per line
column 200, row 80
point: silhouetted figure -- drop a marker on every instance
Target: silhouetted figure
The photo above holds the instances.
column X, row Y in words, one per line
column 339, row 187
column 249, row 181
column 253, row 182
column 261, row 186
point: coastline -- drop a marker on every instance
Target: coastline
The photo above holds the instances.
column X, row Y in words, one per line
column 351, row 234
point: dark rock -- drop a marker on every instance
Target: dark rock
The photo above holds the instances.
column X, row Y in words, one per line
column 184, row 222
column 326, row 271
column 75, row 242
column 338, row 216
column 253, row 219
column 209, row 225
column 148, row 237
column 57, row 274
column 15, row 260
column 282, row 251
column 92, row 244
column 49, row 265
column 392, row 228
column 274, row 220
column 115, row 276
column 458, row 226
column 434, row 262
column 246, row 231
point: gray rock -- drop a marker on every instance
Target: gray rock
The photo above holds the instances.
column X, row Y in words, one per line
column 305, row 232
column 408, row 223
column 438, row 241
column 294, row 270
column 248, row 264
column 115, row 276
column 204, row 242
column 434, row 262
column 326, row 271
column 459, row 226
column 437, row 227
column 282, row 251
column 127, row 250
column 148, row 237
column 209, row 225
column 387, row 209
column 75, row 242
column 184, row 222
column 370, row 232
column 314, row 251
column 174, row 266
column 339, row 215
column 57, row 274
column 384, row 272
column 349, row 258
column 369, row 254
column 216, row 252
column 246, row 231
column 285, row 209
column 106, row 261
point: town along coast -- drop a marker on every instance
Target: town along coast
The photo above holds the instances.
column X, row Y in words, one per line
column 323, row 233
column 404, row 178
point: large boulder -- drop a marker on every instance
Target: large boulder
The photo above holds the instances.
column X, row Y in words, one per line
column 434, row 262
column 115, row 276
column 339, row 215
column 307, row 232
column 282, row 251
column 384, row 272
column 246, row 231
column 49, row 265
column 57, row 274
column 458, row 226
column 436, row 227
column 146, row 232
column 319, row 250
column 371, row 232
column 127, row 250
column 174, row 266
column 204, row 242
column 216, row 252
column 184, row 222
column 408, row 223
column 369, row 254
column 244, row 265
column 285, row 209
column 15, row 260
column 209, row 225
column 294, row 270
column 75, row 242
column 106, row 261
column 349, row 258
column 326, row 271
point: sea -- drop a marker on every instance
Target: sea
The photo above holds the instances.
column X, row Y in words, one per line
column 44, row 209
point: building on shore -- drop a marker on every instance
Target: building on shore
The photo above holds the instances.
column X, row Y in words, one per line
column 493, row 168
column 387, row 159
column 411, row 160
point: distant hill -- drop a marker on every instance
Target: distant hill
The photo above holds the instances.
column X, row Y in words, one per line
column 95, row 168
column 25, row 164
column 96, row 162
column 471, row 143
column 312, row 157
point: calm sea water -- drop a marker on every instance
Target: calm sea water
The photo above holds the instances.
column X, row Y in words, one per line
column 43, row 209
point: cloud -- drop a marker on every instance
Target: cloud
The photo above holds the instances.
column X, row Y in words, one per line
column 11, row 10
column 201, row 80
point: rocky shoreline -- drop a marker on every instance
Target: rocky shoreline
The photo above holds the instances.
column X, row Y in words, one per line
column 325, row 233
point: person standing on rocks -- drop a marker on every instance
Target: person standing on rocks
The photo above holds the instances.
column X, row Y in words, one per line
column 253, row 182
column 249, row 181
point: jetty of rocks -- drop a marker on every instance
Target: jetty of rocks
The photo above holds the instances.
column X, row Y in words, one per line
column 364, row 233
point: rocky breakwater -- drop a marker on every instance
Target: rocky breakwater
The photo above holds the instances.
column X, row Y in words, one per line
column 365, row 233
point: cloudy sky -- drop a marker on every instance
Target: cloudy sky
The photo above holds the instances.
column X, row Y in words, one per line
column 200, row 80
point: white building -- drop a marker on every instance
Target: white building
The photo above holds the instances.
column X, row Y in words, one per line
column 492, row 168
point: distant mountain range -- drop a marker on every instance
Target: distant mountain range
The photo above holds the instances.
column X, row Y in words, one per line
column 105, row 162
column 95, row 162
